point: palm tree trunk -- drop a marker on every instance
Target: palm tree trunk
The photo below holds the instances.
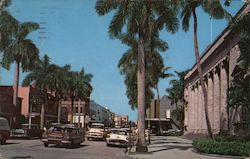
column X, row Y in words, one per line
column 15, row 90
column 141, row 95
column 16, row 83
column 200, row 73
column 158, row 98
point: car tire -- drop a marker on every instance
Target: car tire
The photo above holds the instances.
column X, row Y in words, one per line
column 46, row 144
column 2, row 140
column 88, row 138
column 108, row 145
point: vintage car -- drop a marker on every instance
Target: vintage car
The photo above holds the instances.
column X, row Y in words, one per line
column 63, row 134
column 96, row 131
column 118, row 137
column 27, row 131
column 4, row 130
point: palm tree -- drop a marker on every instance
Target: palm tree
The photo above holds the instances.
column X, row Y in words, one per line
column 216, row 11
column 176, row 94
column 7, row 25
column 141, row 18
column 22, row 51
column 45, row 77
column 78, row 86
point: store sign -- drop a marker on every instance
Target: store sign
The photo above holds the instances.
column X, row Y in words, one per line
column 36, row 98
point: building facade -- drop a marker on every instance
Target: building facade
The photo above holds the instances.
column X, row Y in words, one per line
column 121, row 121
column 8, row 110
column 218, row 63
column 32, row 104
column 80, row 111
column 160, row 111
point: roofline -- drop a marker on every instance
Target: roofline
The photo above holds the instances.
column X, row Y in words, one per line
column 217, row 39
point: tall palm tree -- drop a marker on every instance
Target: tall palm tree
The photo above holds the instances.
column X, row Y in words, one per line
column 214, row 10
column 21, row 51
column 43, row 75
column 7, row 25
column 141, row 18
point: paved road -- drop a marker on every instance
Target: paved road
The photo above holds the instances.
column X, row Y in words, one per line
column 34, row 149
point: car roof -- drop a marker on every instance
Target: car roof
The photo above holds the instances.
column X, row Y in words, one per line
column 65, row 126
column 117, row 130
column 97, row 124
column 29, row 124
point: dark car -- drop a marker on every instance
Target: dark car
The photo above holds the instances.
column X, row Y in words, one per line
column 27, row 131
column 63, row 134
column 4, row 130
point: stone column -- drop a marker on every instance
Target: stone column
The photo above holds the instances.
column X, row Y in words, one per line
column 224, row 87
column 210, row 91
column 217, row 102
column 189, row 108
column 200, row 108
column 192, row 109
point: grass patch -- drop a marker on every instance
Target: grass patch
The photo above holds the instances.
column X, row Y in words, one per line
column 223, row 145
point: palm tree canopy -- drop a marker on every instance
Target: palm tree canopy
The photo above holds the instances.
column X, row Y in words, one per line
column 213, row 8
column 20, row 49
column 151, row 15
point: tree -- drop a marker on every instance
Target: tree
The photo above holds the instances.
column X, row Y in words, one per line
column 214, row 10
column 141, row 18
column 77, row 86
column 22, row 51
column 176, row 95
column 239, row 91
column 43, row 75
column 7, row 25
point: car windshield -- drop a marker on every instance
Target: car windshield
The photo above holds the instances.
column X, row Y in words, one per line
column 118, row 132
column 97, row 126
column 61, row 129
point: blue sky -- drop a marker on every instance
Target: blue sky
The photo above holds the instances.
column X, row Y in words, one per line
column 76, row 35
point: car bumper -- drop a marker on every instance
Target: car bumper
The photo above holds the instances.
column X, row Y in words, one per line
column 117, row 143
column 56, row 141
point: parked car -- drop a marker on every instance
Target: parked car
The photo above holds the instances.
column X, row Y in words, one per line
column 63, row 134
column 27, row 131
column 4, row 130
column 96, row 131
column 118, row 137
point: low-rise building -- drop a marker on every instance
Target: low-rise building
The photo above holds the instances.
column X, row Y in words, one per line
column 121, row 121
column 8, row 110
column 80, row 111
column 218, row 62
column 32, row 103
column 160, row 112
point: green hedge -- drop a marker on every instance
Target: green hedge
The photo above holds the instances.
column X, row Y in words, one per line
column 222, row 146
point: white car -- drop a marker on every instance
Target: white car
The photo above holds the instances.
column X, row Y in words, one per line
column 97, row 131
column 117, row 137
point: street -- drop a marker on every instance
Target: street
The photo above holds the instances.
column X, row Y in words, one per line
column 34, row 149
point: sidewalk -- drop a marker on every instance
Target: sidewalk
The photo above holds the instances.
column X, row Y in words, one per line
column 171, row 147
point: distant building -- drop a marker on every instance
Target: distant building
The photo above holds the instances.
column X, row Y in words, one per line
column 218, row 62
column 101, row 114
column 80, row 111
column 121, row 121
column 160, row 111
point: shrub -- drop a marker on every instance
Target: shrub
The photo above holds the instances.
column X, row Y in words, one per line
column 222, row 146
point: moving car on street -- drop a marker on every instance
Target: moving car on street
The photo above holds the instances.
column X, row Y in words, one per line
column 118, row 137
column 63, row 134
column 27, row 131
column 97, row 131
column 4, row 130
